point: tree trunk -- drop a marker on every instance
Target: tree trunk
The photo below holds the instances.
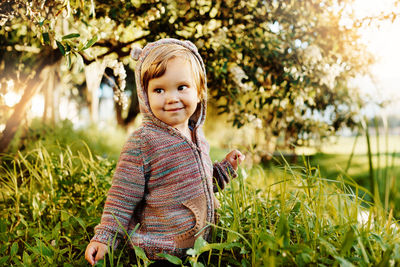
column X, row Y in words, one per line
column 48, row 113
column 57, row 87
column 19, row 112
column 94, row 73
column 33, row 86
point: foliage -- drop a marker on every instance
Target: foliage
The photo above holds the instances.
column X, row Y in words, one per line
column 287, row 72
column 100, row 140
column 282, row 66
column 310, row 221
column 51, row 202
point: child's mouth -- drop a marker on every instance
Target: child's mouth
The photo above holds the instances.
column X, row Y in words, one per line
column 172, row 109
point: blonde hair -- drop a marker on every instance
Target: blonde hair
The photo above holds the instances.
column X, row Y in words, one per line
column 155, row 65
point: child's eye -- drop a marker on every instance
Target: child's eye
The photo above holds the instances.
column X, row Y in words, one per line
column 182, row 87
column 158, row 90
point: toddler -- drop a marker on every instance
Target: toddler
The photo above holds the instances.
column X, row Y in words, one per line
column 165, row 180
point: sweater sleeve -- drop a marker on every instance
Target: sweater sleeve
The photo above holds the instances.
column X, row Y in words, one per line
column 222, row 172
column 127, row 190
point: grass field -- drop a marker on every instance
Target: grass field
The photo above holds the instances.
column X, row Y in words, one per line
column 304, row 214
column 344, row 145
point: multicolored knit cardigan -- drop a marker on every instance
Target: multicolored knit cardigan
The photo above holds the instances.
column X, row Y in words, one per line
column 163, row 181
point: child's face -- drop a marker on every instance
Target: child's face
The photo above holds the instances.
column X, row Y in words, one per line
column 173, row 97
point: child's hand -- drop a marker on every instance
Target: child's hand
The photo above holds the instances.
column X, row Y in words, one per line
column 235, row 157
column 95, row 251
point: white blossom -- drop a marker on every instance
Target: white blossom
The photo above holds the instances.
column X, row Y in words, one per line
column 312, row 54
column 257, row 123
column 331, row 73
column 249, row 117
column 120, row 73
column 284, row 103
column 299, row 101
column 220, row 36
column 238, row 76
column 153, row 14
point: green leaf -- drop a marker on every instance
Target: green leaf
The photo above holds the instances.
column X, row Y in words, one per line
column 3, row 248
column 71, row 35
column 14, row 249
column 379, row 240
column 90, row 42
column 3, row 260
column 199, row 244
column 303, row 259
column 42, row 249
column 349, row 239
column 64, row 216
column 46, row 38
column 100, row 263
column 55, row 232
column 61, row 47
column 283, row 231
column 343, row 262
column 198, row 264
column 26, row 259
column 3, row 226
column 170, row 258
column 67, row 48
column 232, row 237
column 330, row 249
column 79, row 220
column 191, row 252
column 386, row 257
column 140, row 253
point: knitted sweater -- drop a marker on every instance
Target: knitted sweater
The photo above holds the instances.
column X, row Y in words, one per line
column 163, row 182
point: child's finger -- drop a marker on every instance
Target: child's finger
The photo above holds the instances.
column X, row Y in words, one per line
column 238, row 155
column 100, row 253
column 90, row 251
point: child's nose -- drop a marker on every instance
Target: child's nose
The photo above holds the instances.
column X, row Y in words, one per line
column 172, row 97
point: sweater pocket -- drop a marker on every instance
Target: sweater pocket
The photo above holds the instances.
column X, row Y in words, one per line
column 198, row 206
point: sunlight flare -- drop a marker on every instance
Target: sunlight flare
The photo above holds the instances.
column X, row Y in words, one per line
column 11, row 99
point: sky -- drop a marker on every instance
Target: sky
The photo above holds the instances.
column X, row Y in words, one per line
column 383, row 42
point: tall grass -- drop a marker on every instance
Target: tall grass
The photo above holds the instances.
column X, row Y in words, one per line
column 104, row 140
column 303, row 219
column 286, row 216
column 49, row 205
column 382, row 177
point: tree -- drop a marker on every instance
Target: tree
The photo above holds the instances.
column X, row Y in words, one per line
column 282, row 66
column 288, row 71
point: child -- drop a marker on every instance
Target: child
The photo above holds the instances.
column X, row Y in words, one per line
column 164, row 178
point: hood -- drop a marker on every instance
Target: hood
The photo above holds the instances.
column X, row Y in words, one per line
column 139, row 54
